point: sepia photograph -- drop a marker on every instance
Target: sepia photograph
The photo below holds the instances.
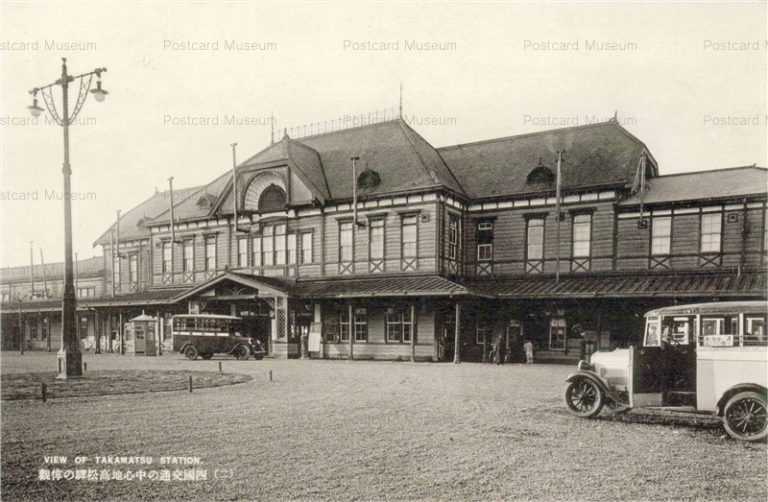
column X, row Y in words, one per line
column 367, row 251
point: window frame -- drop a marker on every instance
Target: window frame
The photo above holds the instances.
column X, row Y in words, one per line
column 211, row 242
column 291, row 257
column 133, row 268
column 668, row 236
column 117, row 269
column 184, row 257
column 454, row 236
column 364, row 322
column 718, row 215
column 166, row 262
column 535, row 265
column 409, row 263
column 346, row 233
column 243, row 242
column 303, row 258
column 401, row 319
column 377, row 264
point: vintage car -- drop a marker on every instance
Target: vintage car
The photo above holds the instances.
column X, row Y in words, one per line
column 207, row 334
column 708, row 357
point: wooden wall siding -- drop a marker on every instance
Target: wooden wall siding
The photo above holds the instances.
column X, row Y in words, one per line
column 510, row 238
column 632, row 241
column 685, row 240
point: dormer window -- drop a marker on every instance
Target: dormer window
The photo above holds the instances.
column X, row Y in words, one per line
column 272, row 199
column 541, row 175
column 205, row 201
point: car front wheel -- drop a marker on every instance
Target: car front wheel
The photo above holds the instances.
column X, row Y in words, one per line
column 584, row 398
column 241, row 352
column 190, row 353
column 745, row 417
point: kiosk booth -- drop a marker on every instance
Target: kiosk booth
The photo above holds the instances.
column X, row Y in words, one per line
column 141, row 336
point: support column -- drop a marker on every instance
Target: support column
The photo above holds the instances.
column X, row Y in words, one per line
column 351, row 332
column 457, row 335
column 120, row 333
column 159, row 333
column 96, row 333
column 413, row 333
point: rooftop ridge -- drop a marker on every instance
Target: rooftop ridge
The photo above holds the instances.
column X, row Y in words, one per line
column 707, row 171
column 537, row 133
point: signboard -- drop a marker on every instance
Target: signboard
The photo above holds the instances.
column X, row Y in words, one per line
column 718, row 341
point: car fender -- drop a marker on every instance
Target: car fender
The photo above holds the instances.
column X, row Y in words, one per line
column 598, row 380
column 742, row 387
column 234, row 347
column 184, row 347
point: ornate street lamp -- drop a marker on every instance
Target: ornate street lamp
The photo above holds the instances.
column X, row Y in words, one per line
column 69, row 356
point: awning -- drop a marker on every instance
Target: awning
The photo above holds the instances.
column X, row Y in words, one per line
column 256, row 284
column 144, row 298
column 369, row 287
column 622, row 285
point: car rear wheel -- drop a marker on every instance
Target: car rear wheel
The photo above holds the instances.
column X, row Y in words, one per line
column 745, row 417
column 241, row 352
column 584, row 398
column 191, row 353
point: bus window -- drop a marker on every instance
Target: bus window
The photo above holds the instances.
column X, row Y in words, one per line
column 719, row 331
column 652, row 335
column 754, row 330
column 678, row 329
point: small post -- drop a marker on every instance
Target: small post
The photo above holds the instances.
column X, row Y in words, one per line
column 220, row 371
column 85, row 366
column 43, row 391
column 189, row 383
column 270, row 375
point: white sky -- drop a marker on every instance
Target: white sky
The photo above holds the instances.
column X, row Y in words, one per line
column 682, row 84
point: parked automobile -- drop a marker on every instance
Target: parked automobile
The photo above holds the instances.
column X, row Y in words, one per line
column 708, row 357
column 207, row 334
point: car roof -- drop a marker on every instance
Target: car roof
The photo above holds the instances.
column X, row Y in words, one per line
column 747, row 307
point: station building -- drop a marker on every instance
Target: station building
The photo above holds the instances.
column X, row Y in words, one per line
column 464, row 236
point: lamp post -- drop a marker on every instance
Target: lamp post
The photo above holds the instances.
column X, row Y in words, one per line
column 69, row 356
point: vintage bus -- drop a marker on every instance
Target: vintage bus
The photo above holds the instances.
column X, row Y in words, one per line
column 207, row 334
column 708, row 357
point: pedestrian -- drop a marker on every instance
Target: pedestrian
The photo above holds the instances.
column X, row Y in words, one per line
column 498, row 349
column 528, row 347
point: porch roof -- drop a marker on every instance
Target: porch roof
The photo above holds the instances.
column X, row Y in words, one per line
column 623, row 285
column 271, row 286
column 425, row 285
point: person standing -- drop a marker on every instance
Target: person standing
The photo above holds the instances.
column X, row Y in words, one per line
column 499, row 349
column 528, row 347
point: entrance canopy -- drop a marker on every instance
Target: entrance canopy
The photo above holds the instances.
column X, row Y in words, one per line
column 233, row 286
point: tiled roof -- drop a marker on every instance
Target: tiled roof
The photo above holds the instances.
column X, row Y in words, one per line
column 151, row 297
column 596, row 154
column 157, row 204
column 723, row 183
column 693, row 284
column 53, row 271
column 431, row 285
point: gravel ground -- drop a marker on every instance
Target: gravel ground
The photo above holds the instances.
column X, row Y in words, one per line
column 338, row 430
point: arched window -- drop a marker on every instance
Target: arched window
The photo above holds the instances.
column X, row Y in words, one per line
column 272, row 199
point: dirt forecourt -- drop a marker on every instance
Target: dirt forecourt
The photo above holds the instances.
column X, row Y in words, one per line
column 339, row 430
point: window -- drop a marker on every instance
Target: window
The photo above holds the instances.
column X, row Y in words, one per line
column 361, row 325
column 711, row 226
column 116, row 269
column 652, row 334
column 86, row 292
column 754, row 331
column 133, row 268
column 534, row 247
column 582, row 233
column 210, row 253
column 485, row 241
column 167, row 250
column 344, row 324
column 409, row 227
column 242, row 252
column 273, row 198
column 267, row 246
column 279, row 244
column 661, row 235
column 376, row 246
column 345, row 247
column 582, row 236
column 482, row 332
column 399, row 325
column 189, row 255
column 306, row 248
column 453, row 237
column 719, row 331
column 5, row 297
column 256, row 251
column 557, row 334
column 291, row 246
